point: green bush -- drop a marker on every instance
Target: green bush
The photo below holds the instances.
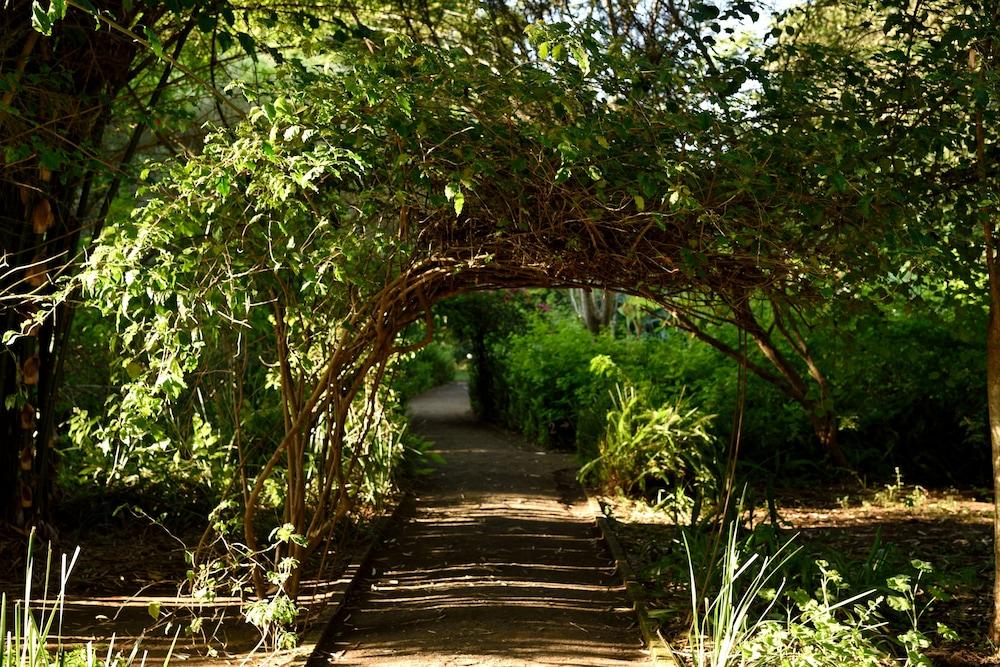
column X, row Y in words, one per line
column 547, row 380
column 908, row 388
column 666, row 450
column 428, row 367
column 766, row 604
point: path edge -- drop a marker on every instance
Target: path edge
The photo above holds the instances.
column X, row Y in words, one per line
column 305, row 653
column 660, row 652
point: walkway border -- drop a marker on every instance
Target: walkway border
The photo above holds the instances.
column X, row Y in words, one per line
column 306, row 653
column 660, row 652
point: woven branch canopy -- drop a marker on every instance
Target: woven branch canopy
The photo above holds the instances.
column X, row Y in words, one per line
column 357, row 195
column 353, row 198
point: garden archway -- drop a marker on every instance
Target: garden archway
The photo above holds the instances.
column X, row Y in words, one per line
column 349, row 203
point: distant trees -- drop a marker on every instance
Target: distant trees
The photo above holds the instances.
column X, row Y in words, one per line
column 596, row 308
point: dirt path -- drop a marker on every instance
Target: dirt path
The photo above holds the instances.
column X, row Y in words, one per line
column 497, row 564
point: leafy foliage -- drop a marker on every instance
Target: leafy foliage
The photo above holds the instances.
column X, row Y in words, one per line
column 764, row 601
column 424, row 369
column 262, row 287
column 907, row 384
column 666, row 450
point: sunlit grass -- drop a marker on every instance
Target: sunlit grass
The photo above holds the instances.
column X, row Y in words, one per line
column 32, row 627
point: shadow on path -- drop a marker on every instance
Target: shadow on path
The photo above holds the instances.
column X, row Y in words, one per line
column 498, row 562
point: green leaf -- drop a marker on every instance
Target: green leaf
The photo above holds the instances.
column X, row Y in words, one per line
column 899, row 583
column 898, row 603
column 207, row 22
column 154, row 41
column 225, row 40
column 40, row 19
column 453, row 191
column 640, row 202
column 154, row 610
column 705, row 11
column 581, row 57
column 248, row 43
column 283, row 533
column 947, row 633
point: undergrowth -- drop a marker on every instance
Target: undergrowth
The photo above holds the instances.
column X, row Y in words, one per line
column 758, row 601
column 32, row 627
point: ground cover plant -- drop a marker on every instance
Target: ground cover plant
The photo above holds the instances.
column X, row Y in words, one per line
column 921, row 567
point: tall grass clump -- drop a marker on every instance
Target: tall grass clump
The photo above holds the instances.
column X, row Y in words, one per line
column 32, row 628
column 28, row 626
column 724, row 624
column 663, row 451
column 748, row 616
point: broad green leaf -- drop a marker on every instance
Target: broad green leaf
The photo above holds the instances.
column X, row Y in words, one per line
column 154, row 41
column 249, row 44
column 453, row 191
column 40, row 19
column 582, row 58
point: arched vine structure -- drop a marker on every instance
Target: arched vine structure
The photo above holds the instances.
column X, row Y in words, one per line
column 350, row 201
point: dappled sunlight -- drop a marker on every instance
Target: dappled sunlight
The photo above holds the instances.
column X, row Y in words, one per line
column 494, row 564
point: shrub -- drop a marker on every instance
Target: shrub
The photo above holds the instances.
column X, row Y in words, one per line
column 908, row 387
column 428, row 367
column 665, row 449
column 754, row 616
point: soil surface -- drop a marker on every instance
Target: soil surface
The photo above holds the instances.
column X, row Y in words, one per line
column 496, row 562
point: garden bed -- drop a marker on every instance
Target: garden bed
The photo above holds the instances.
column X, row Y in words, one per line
column 868, row 535
column 127, row 587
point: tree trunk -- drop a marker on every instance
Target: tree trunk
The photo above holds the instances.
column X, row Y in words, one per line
column 42, row 206
column 824, row 423
column 787, row 378
column 596, row 312
column 982, row 58
column 993, row 397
